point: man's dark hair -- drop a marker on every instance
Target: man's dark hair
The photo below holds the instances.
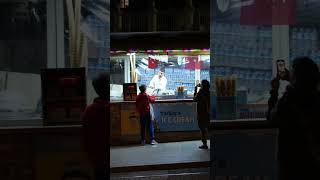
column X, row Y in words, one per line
column 305, row 72
column 142, row 88
column 101, row 83
column 162, row 69
column 205, row 84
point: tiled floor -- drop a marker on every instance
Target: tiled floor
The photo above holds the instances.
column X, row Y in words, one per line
column 162, row 153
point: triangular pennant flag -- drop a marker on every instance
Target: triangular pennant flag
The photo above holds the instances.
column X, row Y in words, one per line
column 152, row 63
column 193, row 62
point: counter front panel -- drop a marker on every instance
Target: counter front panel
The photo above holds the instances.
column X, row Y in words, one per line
column 170, row 115
column 175, row 116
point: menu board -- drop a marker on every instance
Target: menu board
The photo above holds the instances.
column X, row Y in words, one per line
column 63, row 95
column 129, row 91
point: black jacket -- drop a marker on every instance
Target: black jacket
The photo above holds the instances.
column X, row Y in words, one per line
column 297, row 115
column 203, row 108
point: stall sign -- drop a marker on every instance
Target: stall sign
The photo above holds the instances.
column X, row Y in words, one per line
column 176, row 116
column 129, row 91
column 63, row 95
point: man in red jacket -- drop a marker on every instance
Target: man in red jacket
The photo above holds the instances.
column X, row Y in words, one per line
column 143, row 107
column 95, row 125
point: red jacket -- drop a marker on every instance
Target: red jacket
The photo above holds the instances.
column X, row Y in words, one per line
column 96, row 127
column 143, row 103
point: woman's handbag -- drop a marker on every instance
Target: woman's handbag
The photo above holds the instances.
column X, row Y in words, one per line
column 152, row 113
column 154, row 120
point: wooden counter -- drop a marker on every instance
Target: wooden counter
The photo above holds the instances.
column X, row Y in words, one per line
column 175, row 121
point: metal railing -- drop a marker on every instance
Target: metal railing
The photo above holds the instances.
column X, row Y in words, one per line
column 168, row 21
column 135, row 22
column 165, row 21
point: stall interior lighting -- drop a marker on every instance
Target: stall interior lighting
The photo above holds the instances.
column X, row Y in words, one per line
column 161, row 51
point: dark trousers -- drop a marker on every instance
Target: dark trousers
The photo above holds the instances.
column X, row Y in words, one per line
column 145, row 122
column 204, row 135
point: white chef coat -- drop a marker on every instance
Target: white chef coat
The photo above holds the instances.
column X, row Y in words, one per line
column 158, row 83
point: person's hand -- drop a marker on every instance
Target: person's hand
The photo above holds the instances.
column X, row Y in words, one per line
column 152, row 97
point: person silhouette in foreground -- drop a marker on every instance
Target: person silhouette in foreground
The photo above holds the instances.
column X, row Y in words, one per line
column 143, row 107
column 297, row 116
column 203, row 111
column 95, row 125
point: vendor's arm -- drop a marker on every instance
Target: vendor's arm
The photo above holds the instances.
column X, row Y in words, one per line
column 164, row 85
column 152, row 99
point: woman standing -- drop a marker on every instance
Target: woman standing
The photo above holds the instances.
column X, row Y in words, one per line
column 203, row 111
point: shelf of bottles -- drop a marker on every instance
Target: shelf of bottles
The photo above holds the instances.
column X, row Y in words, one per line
column 245, row 51
column 175, row 76
column 304, row 42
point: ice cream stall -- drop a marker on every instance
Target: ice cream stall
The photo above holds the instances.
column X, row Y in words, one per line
column 171, row 75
